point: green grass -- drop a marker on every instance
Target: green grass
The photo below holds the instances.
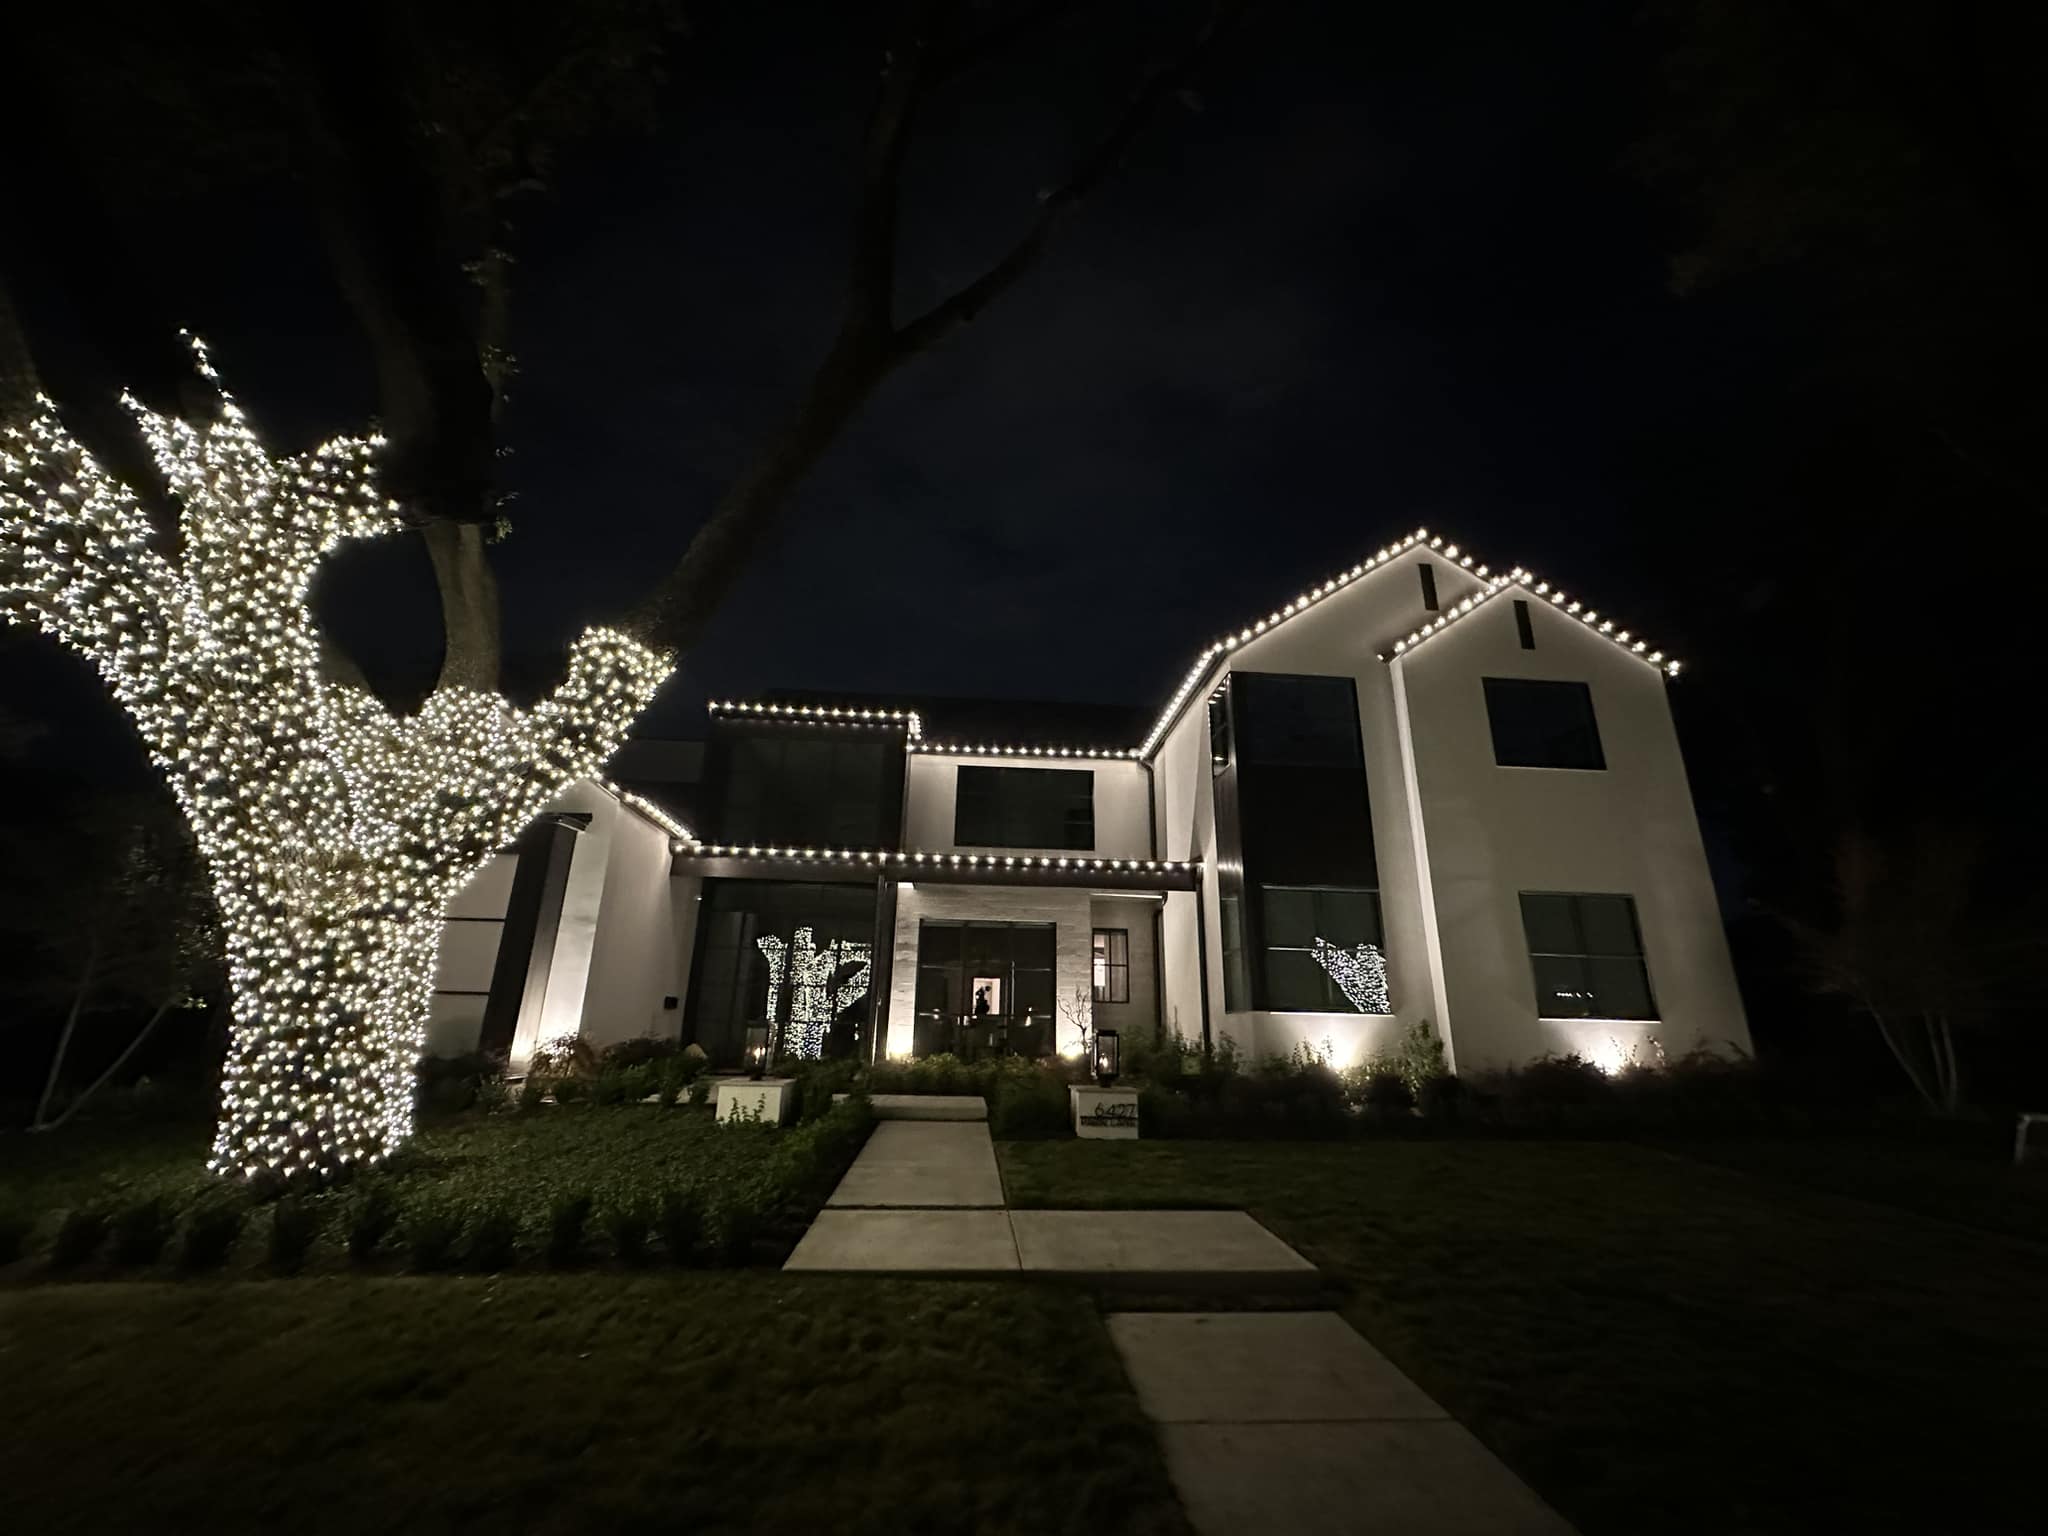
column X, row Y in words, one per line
column 541, row 1403
column 1655, row 1343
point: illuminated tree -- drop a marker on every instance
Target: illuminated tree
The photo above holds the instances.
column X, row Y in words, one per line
column 334, row 832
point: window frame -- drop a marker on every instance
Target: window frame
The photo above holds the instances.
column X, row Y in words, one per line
column 1106, row 990
column 1585, row 955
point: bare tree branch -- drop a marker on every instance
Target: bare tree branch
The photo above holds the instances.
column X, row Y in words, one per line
column 868, row 346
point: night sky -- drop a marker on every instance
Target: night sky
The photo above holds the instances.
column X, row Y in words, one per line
column 1398, row 269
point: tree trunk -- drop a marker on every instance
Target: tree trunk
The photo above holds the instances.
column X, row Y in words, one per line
column 92, row 960
column 469, row 605
column 119, row 1061
column 319, row 1075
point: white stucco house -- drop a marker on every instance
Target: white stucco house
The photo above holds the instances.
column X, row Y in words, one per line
column 1423, row 790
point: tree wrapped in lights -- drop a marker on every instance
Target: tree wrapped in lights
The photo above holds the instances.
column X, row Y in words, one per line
column 334, row 832
column 1360, row 974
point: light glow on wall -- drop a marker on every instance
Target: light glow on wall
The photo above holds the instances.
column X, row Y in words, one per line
column 334, row 832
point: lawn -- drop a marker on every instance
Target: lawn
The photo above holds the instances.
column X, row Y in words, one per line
column 594, row 1401
column 1654, row 1342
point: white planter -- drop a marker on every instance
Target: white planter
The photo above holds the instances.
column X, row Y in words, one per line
column 1104, row 1114
column 769, row 1098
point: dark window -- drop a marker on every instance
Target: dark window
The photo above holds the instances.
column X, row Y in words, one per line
column 1304, row 817
column 1237, row 981
column 1112, row 969
column 1542, row 724
column 1522, row 628
column 1428, row 585
column 1024, row 808
column 810, row 786
column 1587, row 956
column 983, row 987
column 1292, row 919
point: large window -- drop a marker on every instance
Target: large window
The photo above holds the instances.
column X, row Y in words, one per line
column 1292, row 918
column 1542, row 724
column 811, row 786
column 984, row 986
column 1587, row 956
column 1024, row 808
column 1112, row 965
column 786, row 951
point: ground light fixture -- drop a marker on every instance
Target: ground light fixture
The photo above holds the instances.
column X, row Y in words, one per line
column 1109, row 1056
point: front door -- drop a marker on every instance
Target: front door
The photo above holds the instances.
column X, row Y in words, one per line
column 984, row 988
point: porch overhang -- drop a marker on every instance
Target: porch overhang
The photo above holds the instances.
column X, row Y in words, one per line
column 725, row 861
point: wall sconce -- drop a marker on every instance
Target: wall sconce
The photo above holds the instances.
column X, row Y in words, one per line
column 1109, row 1055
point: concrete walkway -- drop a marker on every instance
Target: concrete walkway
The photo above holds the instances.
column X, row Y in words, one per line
column 1290, row 1423
column 1281, row 1422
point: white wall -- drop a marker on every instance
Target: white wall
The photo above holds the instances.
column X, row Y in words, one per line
column 1137, row 916
column 634, row 962
column 1122, row 806
column 1494, row 832
column 1068, row 909
column 468, row 956
column 1340, row 636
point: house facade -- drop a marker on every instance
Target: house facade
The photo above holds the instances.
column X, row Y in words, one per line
column 1423, row 792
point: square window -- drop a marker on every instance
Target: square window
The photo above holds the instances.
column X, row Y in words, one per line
column 1297, row 982
column 1348, row 918
column 1112, row 965
column 1542, row 724
column 1586, row 956
column 1290, row 917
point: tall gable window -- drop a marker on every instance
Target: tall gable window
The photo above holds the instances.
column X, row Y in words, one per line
column 1024, row 808
column 1542, row 724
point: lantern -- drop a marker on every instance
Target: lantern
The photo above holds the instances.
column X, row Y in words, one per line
column 1109, row 1050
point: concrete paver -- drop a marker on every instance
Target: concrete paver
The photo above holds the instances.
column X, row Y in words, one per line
column 957, row 1242
column 1260, row 1367
column 1168, row 1248
column 909, row 1163
column 1416, row 1477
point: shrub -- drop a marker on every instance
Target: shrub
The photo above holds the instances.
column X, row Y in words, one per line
column 370, row 1218
column 567, row 1218
column 571, row 1090
column 638, row 1052
column 627, row 1222
column 15, row 1227
column 450, row 1084
column 493, row 1094
column 494, row 1240
column 700, row 1090
column 429, row 1231
column 531, row 1092
column 1033, row 1105
column 564, row 1056
column 735, row 1222
column 608, row 1088
column 817, row 1082
column 682, row 1223
column 141, row 1230
column 211, row 1228
column 79, row 1236
column 1387, row 1093
column 673, row 1076
column 293, row 1226
column 1421, row 1055
column 1442, row 1099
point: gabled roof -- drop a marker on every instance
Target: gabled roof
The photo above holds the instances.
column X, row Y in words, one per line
column 1527, row 581
column 1210, row 659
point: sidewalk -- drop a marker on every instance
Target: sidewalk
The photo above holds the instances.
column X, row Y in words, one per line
column 1281, row 1422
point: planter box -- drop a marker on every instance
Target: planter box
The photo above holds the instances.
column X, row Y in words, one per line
column 773, row 1098
column 1104, row 1114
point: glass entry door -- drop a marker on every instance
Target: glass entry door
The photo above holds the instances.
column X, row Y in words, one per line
column 984, row 988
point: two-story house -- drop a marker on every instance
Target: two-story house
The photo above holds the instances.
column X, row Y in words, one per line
column 1422, row 790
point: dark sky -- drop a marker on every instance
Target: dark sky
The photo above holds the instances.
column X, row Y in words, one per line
column 1394, row 271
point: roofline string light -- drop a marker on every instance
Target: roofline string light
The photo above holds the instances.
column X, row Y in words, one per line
column 958, row 749
column 651, row 811
column 1526, row 580
column 820, row 714
column 334, row 832
column 1280, row 615
column 913, row 859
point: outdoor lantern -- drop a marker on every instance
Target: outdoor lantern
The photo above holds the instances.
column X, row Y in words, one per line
column 1109, row 1052
column 757, row 1051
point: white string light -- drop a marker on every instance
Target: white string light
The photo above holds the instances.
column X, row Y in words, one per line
column 814, row 1001
column 913, row 859
column 334, row 832
column 1360, row 974
column 1526, row 580
column 652, row 812
column 820, row 714
column 956, row 749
